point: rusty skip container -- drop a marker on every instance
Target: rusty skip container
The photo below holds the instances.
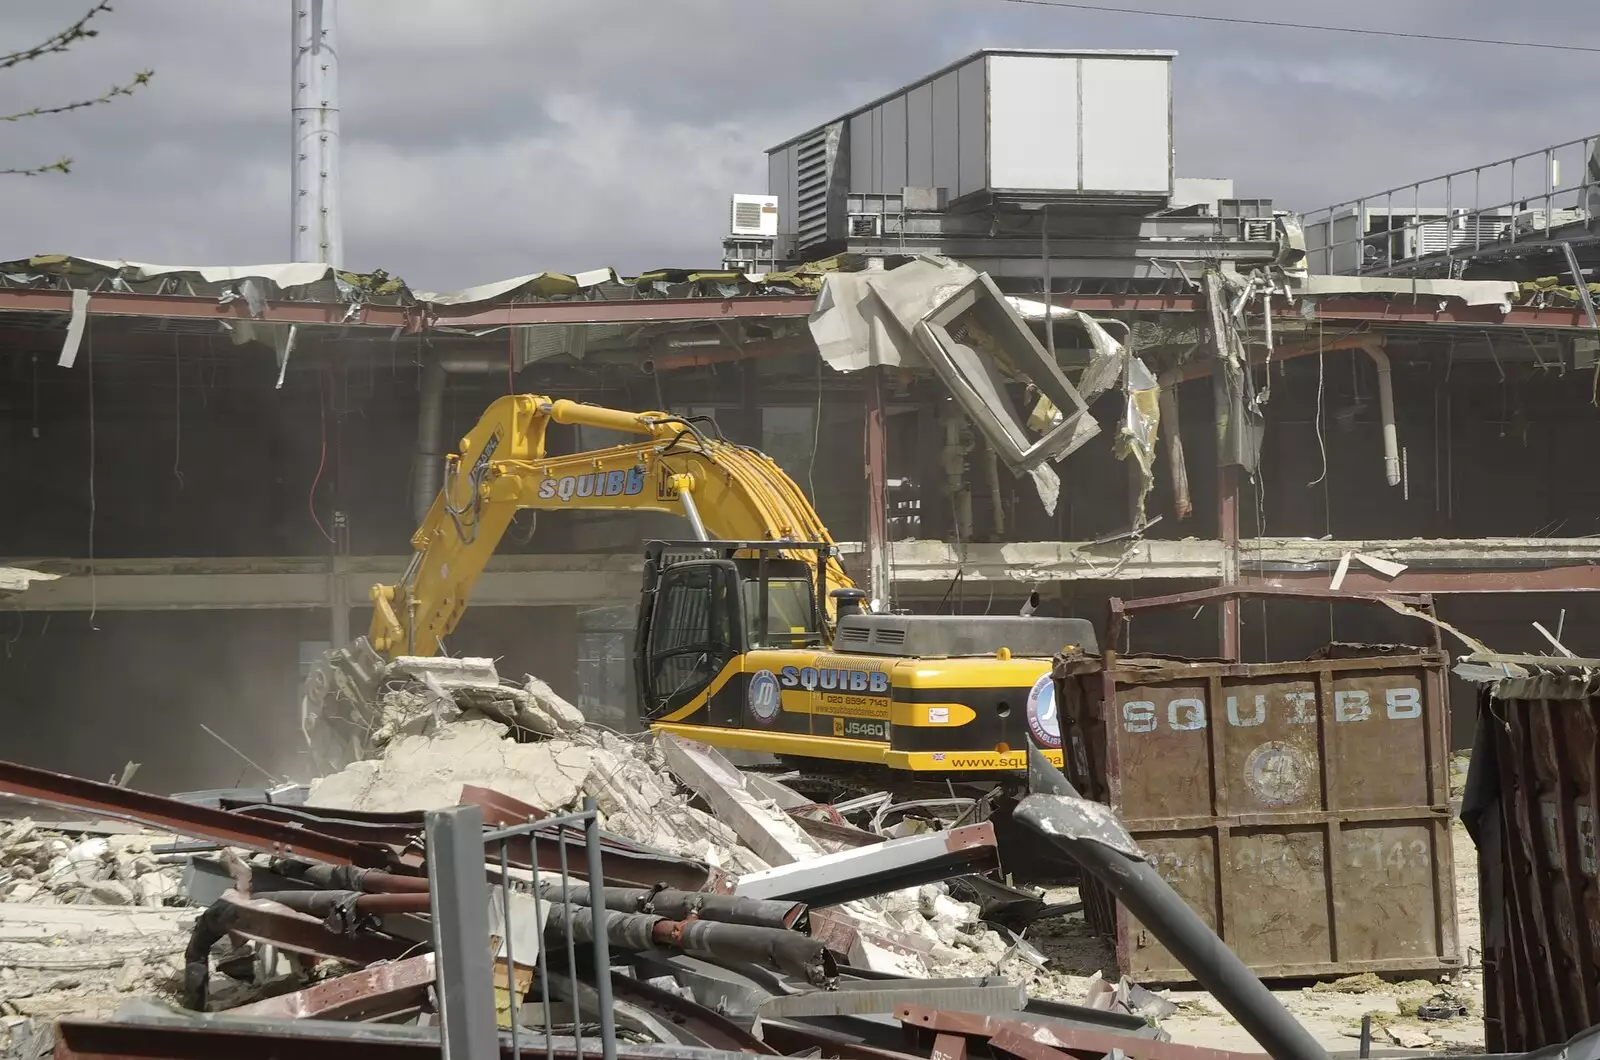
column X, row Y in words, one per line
column 1530, row 805
column 1301, row 808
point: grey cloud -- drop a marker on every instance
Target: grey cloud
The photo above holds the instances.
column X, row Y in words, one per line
column 489, row 137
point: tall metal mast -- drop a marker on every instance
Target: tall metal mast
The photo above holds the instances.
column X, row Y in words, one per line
column 316, row 232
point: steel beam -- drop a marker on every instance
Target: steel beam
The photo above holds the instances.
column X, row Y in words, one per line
column 871, row 998
column 1089, row 1044
column 266, row 921
column 416, row 318
column 187, row 584
column 413, row 319
column 380, row 992
column 875, row 458
column 1574, row 579
column 866, row 871
column 108, row 800
column 206, row 1038
column 796, row 1038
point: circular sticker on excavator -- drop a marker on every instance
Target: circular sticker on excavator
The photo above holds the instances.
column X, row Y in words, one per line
column 762, row 696
column 1043, row 721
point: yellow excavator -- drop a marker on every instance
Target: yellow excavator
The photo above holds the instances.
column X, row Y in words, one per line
column 750, row 636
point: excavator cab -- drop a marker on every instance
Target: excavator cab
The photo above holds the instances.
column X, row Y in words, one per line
column 707, row 603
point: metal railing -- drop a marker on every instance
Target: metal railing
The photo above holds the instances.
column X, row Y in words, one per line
column 1436, row 225
column 461, row 856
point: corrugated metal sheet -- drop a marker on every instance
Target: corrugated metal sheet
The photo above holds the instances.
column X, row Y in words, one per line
column 1531, row 805
column 1301, row 808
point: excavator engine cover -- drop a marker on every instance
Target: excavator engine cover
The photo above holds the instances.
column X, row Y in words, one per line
column 959, row 636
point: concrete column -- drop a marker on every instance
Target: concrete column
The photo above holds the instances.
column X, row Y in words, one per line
column 876, row 445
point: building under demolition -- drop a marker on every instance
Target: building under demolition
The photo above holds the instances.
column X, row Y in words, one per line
column 215, row 465
column 1231, row 484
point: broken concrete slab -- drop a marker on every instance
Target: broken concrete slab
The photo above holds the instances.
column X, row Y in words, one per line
column 773, row 835
column 32, row 922
column 639, row 799
column 547, row 712
column 428, row 772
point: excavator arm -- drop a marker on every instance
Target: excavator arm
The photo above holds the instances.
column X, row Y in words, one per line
column 727, row 492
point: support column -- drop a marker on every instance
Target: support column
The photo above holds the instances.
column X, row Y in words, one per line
column 1228, row 533
column 459, row 903
column 935, row 506
column 876, row 459
column 339, row 583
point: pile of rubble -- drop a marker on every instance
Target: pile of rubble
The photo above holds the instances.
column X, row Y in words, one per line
column 760, row 920
column 46, row 867
column 87, row 921
column 641, row 798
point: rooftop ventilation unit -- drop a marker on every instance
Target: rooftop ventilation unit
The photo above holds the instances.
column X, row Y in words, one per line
column 754, row 215
column 866, row 225
column 1259, row 230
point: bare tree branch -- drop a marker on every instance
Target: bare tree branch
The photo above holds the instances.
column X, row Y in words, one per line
column 140, row 79
column 60, row 165
column 58, row 42
column 55, row 44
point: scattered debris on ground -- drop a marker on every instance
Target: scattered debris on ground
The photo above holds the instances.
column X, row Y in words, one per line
column 93, row 916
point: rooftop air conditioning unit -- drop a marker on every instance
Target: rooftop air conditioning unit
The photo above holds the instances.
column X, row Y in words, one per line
column 1259, row 230
column 866, row 225
column 754, row 216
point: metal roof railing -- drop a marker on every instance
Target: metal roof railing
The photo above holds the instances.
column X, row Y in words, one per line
column 1540, row 199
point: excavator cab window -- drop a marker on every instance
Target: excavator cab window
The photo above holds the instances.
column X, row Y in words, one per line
column 695, row 630
column 780, row 603
column 791, row 613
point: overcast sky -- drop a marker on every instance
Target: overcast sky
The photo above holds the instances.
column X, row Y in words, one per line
column 488, row 138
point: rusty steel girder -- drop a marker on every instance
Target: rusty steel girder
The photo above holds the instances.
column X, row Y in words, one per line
column 267, row 837
column 381, row 992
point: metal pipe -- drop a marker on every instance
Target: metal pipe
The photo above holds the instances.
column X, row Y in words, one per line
column 602, row 947
column 427, row 474
column 1391, row 440
column 781, row 950
column 1182, row 505
column 683, row 905
column 348, row 877
column 326, row 903
column 692, row 513
column 1094, row 838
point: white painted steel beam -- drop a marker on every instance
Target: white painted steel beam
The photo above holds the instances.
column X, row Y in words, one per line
column 598, row 580
column 267, row 583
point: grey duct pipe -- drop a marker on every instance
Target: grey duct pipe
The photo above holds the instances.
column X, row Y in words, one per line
column 427, row 474
column 1182, row 505
column 786, row 951
column 1391, row 440
column 686, row 905
column 1092, row 836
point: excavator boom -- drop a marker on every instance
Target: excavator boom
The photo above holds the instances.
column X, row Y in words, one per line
column 727, row 492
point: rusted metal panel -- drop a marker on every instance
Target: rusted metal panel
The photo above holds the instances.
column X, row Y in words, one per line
column 1531, row 805
column 381, row 992
column 1301, row 808
column 268, row 837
